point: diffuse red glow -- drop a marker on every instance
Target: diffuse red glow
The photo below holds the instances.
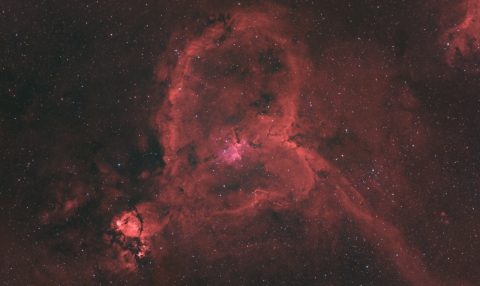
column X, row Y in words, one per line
column 239, row 184
column 303, row 143
column 461, row 42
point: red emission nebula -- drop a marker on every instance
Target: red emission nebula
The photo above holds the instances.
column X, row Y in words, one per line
column 287, row 157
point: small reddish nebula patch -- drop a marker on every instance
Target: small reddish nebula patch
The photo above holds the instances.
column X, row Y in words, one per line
column 462, row 41
column 129, row 224
column 127, row 242
column 232, row 154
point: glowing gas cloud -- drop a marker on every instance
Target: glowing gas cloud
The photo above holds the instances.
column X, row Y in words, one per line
column 241, row 143
column 245, row 181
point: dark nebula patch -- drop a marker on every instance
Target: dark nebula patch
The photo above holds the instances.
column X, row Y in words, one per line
column 270, row 62
column 240, row 143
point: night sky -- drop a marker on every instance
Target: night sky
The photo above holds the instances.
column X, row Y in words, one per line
column 240, row 142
